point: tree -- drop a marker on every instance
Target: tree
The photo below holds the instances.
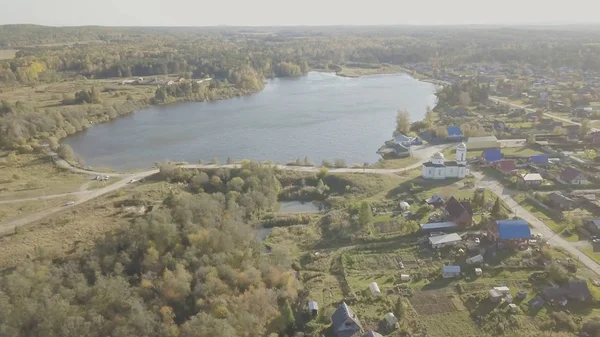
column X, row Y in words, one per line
column 557, row 273
column 53, row 143
column 429, row 116
column 402, row 122
column 585, row 128
column 464, row 99
column 95, row 95
column 229, row 161
column 497, row 208
column 441, row 132
column 365, row 214
column 65, row 152
column 322, row 172
column 531, row 139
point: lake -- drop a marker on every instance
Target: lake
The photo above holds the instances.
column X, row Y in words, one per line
column 321, row 115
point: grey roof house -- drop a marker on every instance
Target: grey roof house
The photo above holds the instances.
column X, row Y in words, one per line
column 345, row 323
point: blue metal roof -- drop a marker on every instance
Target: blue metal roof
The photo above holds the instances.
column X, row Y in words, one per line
column 454, row 131
column 542, row 158
column 451, row 269
column 513, row 229
column 492, row 155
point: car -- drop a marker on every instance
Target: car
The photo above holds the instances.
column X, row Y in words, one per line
column 401, row 265
column 69, row 203
column 98, row 178
column 477, row 241
column 132, row 181
column 106, row 177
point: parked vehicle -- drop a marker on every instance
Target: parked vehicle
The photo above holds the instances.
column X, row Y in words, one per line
column 69, row 203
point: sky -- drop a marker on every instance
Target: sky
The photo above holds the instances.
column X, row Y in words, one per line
column 298, row 12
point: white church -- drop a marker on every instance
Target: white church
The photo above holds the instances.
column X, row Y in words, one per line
column 439, row 168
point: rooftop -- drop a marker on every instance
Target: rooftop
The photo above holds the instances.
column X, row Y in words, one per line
column 513, row 229
column 532, row 177
column 492, row 155
column 451, row 269
column 448, row 238
column 454, row 131
column 438, row 225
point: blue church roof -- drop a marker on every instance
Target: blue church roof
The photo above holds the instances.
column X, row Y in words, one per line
column 492, row 155
column 513, row 229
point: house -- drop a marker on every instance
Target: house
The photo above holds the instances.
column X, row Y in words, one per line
column 560, row 201
column 491, row 155
column 539, row 160
column 509, row 232
column 441, row 241
column 506, row 166
column 404, row 277
column 555, row 295
column 450, row 271
column 436, row 200
column 529, row 179
column 375, row 291
column 313, row 307
column 572, row 176
column 460, row 212
column 454, row 133
column 372, row 334
column 438, row 168
column 572, row 129
column 579, row 290
column 536, row 303
column 403, row 140
column 532, row 117
column 513, row 308
column 481, row 143
column 478, row 271
column 592, row 226
column 504, row 290
column 344, row 322
column 495, row 296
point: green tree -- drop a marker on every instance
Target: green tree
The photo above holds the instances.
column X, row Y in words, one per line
column 585, row 128
column 65, row 152
column 497, row 208
column 95, row 95
column 402, row 122
column 441, row 132
column 365, row 214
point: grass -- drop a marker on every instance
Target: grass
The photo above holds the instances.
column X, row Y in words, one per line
column 7, row 54
column 519, row 151
column 16, row 210
column 589, row 251
column 34, row 176
column 540, row 213
column 396, row 163
column 454, row 324
column 368, row 69
column 75, row 229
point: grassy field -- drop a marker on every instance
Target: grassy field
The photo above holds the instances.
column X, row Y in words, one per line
column 31, row 175
column 353, row 71
column 540, row 213
column 74, row 229
column 519, row 151
column 396, row 163
column 16, row 210
column 7, row 54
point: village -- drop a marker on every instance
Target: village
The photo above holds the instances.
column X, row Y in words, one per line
column 487, row 237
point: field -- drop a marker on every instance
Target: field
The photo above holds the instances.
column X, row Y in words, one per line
column 11, row 211
column 396, row 163
column 7, row 54
column 32, row 176
column 520, row 151
column 352, row 70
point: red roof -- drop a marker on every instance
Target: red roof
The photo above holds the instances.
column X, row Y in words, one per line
column 506, row 165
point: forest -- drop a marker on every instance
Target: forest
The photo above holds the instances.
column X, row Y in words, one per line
column 190, row 267
column 239, row 59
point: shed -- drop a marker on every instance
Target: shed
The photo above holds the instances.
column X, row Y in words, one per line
column 374, row 289
column 441, row 241
column 404, row 277
column 475, row 259
column 512, row 308
column 450, row 271
column 503, row 290
column 478, row 271
column 390, row 319
column 495, row 296
column 404, row 205
column 536, row 303
column 313, row 307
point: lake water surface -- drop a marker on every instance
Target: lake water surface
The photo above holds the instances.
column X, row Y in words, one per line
column 322, row 116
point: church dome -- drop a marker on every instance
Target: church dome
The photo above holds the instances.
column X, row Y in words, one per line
column 461, row 146
column 438, row 155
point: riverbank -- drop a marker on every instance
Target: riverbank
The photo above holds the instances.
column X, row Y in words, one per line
column 358, row 70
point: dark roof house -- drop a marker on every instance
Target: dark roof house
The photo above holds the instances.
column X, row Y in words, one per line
column 579, row 290
column 561, row 201
column 491, row 155
column 460, row 212
column 572, row 176
column 345, row 323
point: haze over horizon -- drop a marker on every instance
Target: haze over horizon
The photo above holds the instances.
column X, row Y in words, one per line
column 284, row 13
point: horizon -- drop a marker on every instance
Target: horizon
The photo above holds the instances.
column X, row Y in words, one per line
column 268, row 13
